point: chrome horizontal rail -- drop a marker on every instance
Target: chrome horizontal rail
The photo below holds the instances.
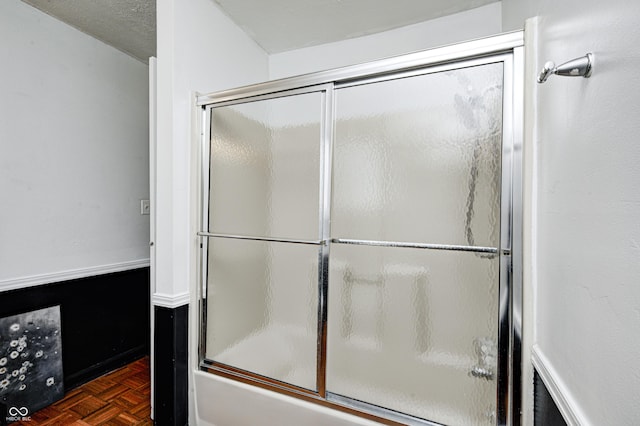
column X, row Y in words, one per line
column 267, row 239
column 445, row 54
column 255, row 378
column 378, row 411
column 473, row 249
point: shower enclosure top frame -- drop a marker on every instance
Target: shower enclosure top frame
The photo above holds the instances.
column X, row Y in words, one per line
column 506, row 48
column 504, row 43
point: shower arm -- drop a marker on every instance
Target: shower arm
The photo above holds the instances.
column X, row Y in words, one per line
column 579, row 67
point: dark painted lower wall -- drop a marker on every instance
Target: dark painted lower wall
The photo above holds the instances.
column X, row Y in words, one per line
column 170, row 366
column 546, row 412
column 105, row 320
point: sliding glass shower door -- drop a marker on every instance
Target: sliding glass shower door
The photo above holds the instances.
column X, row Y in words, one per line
column 357, row 240
column 415, row 225
column 264, row 244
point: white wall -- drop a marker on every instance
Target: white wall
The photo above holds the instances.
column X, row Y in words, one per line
column 199, row 49
column 515, row 12
column 587, row 208
column 479, row 22
column 74, row 152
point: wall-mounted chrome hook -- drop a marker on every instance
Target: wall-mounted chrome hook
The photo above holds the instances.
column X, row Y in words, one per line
column 579, row 67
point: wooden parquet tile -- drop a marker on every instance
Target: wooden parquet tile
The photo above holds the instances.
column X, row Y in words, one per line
column 119, row 398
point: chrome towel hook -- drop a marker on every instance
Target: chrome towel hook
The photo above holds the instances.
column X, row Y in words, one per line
column 579, row 67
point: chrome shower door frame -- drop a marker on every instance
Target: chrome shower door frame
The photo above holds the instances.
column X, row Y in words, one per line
column 505, row 48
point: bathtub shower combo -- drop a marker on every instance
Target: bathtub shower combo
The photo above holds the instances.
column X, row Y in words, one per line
column 360, row 236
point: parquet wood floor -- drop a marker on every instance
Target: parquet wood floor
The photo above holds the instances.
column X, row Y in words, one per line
column 119, row 398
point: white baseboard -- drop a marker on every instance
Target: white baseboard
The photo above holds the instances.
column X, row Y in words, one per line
column 54, row 277
column 567, row 405
column 170, row 300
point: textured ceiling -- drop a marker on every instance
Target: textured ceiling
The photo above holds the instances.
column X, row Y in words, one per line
column 127, row 25
column 276, row 25
column 280, row 25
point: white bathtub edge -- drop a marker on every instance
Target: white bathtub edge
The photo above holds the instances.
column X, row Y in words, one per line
column 223, row 402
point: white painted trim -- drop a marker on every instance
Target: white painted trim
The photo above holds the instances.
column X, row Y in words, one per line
column 565, row 402
column 529, row 225
column 170, row 300
column 55, row 277
column 153, row 107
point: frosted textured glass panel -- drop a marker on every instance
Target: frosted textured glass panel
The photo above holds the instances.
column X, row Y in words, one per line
column 418, row 159
column 407, row 327
column 265, row 167
column 262, row 303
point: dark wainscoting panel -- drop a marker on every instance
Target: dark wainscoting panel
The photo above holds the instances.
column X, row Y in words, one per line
column 170, row 366
column 546, row 412
column 105, row 320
